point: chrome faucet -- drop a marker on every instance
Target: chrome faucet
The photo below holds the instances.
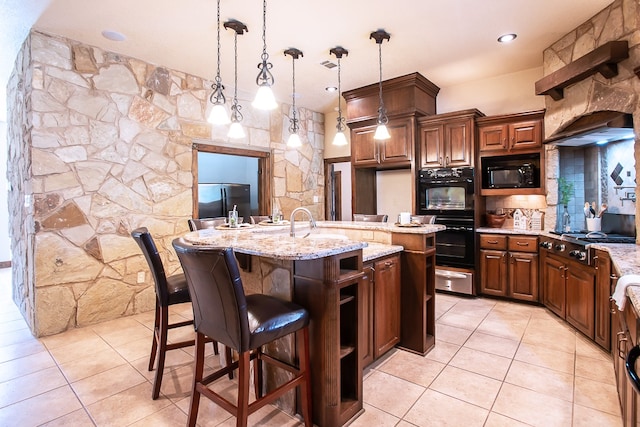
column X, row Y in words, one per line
column 292, row 233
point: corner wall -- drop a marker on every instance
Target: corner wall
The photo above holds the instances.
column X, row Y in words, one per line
column 100, row 144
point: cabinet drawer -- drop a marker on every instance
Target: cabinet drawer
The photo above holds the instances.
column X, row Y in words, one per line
column 493, row 241
column 523, row 244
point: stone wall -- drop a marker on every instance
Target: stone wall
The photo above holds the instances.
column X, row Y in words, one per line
column 618, row 21
column 100, row 144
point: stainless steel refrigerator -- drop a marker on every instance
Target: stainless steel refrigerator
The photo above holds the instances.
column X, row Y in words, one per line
column 218, row 199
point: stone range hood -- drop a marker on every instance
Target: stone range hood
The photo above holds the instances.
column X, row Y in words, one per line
column 592, row 128
column 594, row 93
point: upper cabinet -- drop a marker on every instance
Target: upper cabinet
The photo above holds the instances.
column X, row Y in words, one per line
column 394, row 152
column 405, row 99
column 512, row 133
column 447, row 140
column 511, row 140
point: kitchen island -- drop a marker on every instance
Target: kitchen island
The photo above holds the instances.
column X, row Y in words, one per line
column 324, row 273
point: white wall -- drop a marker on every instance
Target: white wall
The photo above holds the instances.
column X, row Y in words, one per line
column 393, row 192
column 504, row 94
column 5, row 242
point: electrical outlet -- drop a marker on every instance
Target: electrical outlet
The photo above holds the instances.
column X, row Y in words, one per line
column 316, row 199
column 141, row 277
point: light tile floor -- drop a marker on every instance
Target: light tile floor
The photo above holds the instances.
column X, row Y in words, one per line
column 495, row 364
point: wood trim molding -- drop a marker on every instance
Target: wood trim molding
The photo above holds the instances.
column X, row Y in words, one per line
column 603, row 60
column 5, row 264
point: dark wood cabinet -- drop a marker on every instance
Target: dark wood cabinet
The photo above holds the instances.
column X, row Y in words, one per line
column 386, row 320
column 406, row 98
column 394, row 152
column 447, row 140
column 515, row 137
column 381, row 311
column 580, row 294
column 569, row 291
column 623, row 338
column 510, row 134
column 553, row 285
column 331, row 290
column 417, row 272
column 509, row 266
column 603, row 304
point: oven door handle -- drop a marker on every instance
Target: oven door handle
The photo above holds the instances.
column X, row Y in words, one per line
column 451, row 275
column 630, row 364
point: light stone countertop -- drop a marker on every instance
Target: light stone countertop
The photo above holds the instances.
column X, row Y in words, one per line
column 275, row 242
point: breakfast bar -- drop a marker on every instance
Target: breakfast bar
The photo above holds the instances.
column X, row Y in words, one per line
column 324, row 273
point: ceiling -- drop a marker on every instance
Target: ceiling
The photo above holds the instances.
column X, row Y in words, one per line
column 449, row 42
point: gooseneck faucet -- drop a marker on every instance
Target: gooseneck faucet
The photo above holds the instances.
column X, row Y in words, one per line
column 292, row 233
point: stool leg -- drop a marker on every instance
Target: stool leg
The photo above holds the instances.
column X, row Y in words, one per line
column 302, row 340
column 257, row 380
column 162, row 350
column 197, row 377
column 243, row 389
column 154, row 344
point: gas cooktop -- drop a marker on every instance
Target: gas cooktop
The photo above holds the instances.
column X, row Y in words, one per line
column 595, row 237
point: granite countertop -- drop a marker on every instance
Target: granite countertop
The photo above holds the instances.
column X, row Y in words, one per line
column 274, row 241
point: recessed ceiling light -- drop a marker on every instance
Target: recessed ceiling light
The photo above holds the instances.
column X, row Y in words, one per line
column 331, row 88
column 506, row 38
column 113, row 35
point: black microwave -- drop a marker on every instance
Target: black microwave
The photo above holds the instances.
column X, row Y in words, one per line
column 514, row 175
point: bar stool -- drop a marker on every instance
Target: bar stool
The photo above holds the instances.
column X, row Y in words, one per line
column 205, row 223
column 169, row 290
column 370, row 218
column 244, row 323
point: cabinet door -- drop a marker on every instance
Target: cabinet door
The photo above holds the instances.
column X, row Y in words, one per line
column 553, row 284
column 431, row 142
column 603, row 311
column 387, row 305
column 398, row 148
column 366, row 325
column 526, row 135
column 523, row 276
column 580, row 306
column 363, row 147
column 458, row 144
column 493, row 137
column 493, row 272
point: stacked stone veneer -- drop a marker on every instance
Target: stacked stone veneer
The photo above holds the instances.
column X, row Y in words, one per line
column 100, row 144
column 618, row 21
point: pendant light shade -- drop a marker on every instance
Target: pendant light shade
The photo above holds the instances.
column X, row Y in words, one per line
column 218, row 114
column 382, row 132
column 294, row 138
column 264, row 99
column 235, row 130
column 339, row 139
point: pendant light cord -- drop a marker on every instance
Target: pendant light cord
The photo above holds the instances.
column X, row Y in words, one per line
column 265, row 55
column 382, row 112
column 340, row 118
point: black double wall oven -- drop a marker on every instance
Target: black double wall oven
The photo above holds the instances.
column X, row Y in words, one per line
column 449, row 195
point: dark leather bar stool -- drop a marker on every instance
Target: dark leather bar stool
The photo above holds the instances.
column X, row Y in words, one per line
column 370, row 218
column 244, row 323
column 169, row 290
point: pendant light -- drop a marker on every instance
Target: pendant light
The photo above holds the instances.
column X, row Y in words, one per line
column 264, row 99
column 294, row 138
column 218, row 114
column 381, row 131
column 235, row 130
column 339, row 139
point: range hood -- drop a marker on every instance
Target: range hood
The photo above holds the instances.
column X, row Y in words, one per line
column 597, row 127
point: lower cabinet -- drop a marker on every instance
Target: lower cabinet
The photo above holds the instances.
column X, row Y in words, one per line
column 623, row 339
column 509, row 266
column 569, row 291
column 381, row 311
